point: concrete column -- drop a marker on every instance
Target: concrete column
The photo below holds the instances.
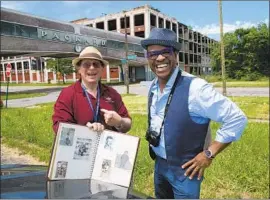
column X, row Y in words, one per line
column 45, row 70
column 119, row 73
column 23, row 76
column 105, row 24
column 4, row 70
column 118, row 24
column 177, row 33
column 157, row 20
column 147, row 23
column 131, row 23
column 164, row 22
column 94, row 24
column 108, row 73
column 16, row 72
column 38, row 75
column 30, row 70
column 9, row 61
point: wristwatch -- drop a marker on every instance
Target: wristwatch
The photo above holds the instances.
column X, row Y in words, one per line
column 208, row 153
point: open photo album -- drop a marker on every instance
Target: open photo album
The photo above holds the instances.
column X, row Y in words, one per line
column 80, row 153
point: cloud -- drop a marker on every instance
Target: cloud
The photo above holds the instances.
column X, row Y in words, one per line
column 214, row 29
column 15, row 5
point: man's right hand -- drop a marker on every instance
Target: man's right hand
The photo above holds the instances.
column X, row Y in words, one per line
column 95, row 126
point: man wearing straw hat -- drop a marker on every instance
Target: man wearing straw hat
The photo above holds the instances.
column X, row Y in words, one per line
column 88, row 101
column 180, row 107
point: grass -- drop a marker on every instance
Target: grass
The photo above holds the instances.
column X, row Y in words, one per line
column 243, row 84
column 253, row 107
column 241, row 171
column 21, row 95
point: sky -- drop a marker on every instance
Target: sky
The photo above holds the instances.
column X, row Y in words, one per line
column 203, row 16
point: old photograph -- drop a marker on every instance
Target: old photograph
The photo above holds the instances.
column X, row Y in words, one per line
column 109, row 143
column 67, row 136
column 105, row 168
column 61, row 169
column 82, row 149
column 122, row 161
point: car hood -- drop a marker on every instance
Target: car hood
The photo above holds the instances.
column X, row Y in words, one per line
column 30, row 182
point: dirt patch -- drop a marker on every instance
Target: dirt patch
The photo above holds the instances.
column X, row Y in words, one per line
column 14, row 156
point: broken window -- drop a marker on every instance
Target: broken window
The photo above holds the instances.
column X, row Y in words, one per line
column 168, row 24
column 122, row 22
column 100, row 25
column 160, row 22
column 186, row 58
column 153, row 20
column 112, row 25
column 181, row 57
column 139, row 20
column 174, row 27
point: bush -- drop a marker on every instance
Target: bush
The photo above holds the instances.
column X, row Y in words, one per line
column 251, row 77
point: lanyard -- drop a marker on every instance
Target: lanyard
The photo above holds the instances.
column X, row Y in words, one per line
column 167, row 104
column 90, row 103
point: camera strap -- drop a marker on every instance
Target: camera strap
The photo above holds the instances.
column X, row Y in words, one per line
column 167, row 104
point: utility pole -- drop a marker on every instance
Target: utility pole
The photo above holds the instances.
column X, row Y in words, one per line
column 222, row 49
column 126, row 59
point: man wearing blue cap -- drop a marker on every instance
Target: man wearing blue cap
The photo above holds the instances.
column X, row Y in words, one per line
column 180, row 107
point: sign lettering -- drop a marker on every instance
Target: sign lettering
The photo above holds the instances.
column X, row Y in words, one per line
column 71, row 38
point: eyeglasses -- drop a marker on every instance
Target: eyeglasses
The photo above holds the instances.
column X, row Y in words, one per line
column 95, row 64
column 164, row 52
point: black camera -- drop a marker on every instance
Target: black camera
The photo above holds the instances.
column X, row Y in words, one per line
column 152, row 137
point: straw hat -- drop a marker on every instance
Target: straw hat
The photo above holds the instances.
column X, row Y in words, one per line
column 89, row 53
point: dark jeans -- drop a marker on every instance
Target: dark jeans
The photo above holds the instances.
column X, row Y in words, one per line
column 170, row 182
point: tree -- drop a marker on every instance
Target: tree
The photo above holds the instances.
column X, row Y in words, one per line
column 247, row 52
column 61, row 65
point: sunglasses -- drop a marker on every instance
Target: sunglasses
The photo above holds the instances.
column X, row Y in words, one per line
column 95, row 64
column 164, row 52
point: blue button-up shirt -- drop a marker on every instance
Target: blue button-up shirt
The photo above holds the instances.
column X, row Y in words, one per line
column 204, row 103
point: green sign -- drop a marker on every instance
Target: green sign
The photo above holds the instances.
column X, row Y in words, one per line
column 123, row 61
column 132, row 57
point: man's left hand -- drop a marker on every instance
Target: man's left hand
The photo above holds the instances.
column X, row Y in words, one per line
column 197, row 165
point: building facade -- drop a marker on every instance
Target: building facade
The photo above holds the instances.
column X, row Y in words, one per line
column 194, row 56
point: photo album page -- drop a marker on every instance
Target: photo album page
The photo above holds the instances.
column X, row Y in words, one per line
column 73, row 153
column 115, row 158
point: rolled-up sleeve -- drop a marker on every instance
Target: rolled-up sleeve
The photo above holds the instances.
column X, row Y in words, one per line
column 213, row 105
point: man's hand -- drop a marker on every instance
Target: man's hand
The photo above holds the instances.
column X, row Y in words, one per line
column 197, row 165
column 95, row 126
column 112, row 118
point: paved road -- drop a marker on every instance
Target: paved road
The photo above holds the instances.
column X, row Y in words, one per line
column 141, row 89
